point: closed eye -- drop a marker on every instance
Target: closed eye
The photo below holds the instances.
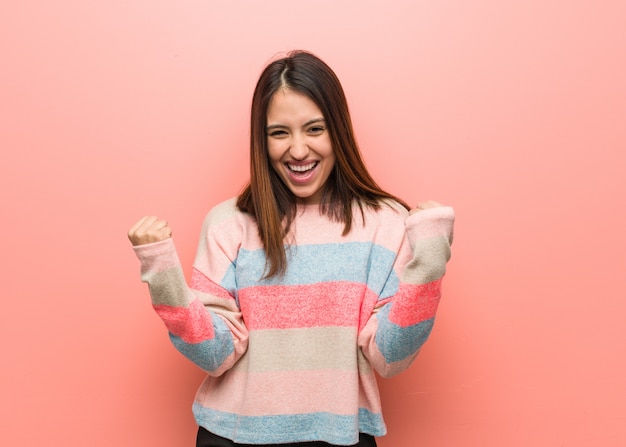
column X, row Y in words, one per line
column 316, row 130
column 277, row 133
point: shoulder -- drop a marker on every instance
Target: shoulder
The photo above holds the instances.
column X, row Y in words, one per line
column 222, row 211
column 227, row 227
column 388, row 212
column 225, row 213
column 385, row 221
column 393, row 208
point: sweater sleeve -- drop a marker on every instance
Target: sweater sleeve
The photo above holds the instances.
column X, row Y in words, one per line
column 402, row 322
column 203, row 319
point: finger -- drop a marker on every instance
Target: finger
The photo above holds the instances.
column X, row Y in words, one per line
column 154, row 230
column 137, row 225
column 168, row 231
column 424, row 206
column 146, row 224
column 138, row 232
column 158, row 224
column 428, row 204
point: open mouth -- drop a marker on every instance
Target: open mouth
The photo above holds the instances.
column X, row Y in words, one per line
column 302, row 169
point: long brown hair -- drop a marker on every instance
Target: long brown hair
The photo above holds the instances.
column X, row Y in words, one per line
column 266, row 197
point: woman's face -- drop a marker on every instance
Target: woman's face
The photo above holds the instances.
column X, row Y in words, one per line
column 299, row 145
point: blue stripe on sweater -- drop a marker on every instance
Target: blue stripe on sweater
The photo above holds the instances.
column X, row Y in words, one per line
column 397, row 343
column 209, row 354
column 278, row 429
column 360, row 262
column 229, row 282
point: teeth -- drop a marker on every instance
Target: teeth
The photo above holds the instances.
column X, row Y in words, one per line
column 302, row 168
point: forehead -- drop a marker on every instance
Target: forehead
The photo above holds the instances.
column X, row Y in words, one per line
column 287, row 105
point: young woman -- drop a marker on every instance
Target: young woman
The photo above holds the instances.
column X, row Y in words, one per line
column 306, row 284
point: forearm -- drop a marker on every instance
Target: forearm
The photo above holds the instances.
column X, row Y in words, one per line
column 402, row 323
column 397, row 331
column 203, row 337
column 205, row 328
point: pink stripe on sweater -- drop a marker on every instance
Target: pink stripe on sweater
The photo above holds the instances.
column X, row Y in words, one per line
column 193, row 324
column 289, row 392
column 158, row 256
column 201, row 283
column 415, row 303
column 301, row 306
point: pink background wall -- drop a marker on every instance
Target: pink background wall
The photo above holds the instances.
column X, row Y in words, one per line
column 513, row 112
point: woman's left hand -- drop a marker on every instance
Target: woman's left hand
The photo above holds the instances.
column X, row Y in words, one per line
column 425, row 205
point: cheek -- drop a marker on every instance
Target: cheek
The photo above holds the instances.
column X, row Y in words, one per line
column 328, row 146
column 274, row 151
column 274, row 158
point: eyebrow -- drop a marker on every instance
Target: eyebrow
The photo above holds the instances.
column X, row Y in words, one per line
column 282, row 126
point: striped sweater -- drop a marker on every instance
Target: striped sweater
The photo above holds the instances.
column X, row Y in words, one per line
column 292, row 358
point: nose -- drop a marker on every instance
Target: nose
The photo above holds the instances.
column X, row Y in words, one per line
column 299, row 148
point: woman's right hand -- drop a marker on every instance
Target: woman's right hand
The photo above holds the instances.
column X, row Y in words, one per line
column 149, row 229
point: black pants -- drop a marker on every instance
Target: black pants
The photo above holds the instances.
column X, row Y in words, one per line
column 208, row 439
